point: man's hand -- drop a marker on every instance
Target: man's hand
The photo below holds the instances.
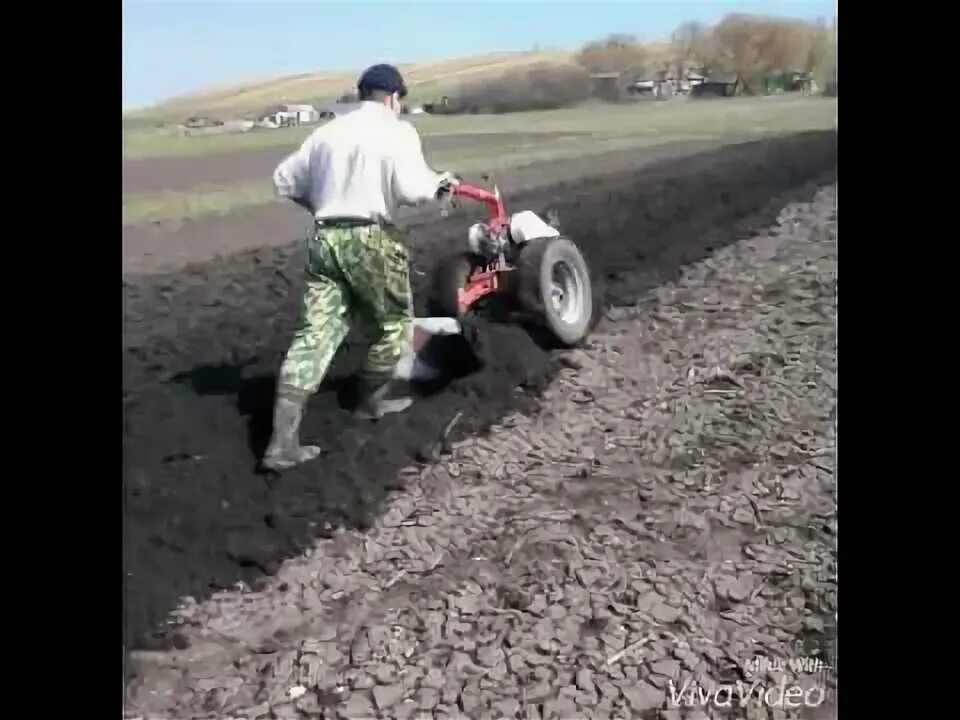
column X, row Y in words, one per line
column 448, row 181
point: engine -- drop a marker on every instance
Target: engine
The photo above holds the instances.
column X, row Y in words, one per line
column 486, row 243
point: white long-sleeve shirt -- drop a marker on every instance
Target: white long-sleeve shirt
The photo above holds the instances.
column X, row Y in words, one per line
column 360, row 165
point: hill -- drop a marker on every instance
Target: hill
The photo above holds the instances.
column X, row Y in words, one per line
column 426, row 80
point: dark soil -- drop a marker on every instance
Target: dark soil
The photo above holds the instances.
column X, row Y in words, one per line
column 202, row 346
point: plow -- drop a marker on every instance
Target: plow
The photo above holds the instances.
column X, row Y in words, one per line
column 518, row 266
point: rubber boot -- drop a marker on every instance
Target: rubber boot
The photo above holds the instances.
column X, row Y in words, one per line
column 285, row 450
column 379, row 397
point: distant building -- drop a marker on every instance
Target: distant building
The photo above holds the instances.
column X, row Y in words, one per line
column 607, row 86
column 717, row 86
column 201, row 121
column 288, row 115
column 305, row 114
column 659, row 88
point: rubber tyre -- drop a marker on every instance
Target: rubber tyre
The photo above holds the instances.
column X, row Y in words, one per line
column 535, row 277
column 449, row 277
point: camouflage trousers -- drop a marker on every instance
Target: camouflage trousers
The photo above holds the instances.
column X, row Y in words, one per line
column 351, row 271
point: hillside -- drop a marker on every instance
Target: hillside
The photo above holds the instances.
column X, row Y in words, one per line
column 426, row 80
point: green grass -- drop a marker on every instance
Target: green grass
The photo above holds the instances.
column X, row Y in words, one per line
column 650, row 117
column 610, row 128
column 152, row 143
column 220, row 200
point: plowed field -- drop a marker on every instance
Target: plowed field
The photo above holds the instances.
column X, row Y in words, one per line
column 610, row 525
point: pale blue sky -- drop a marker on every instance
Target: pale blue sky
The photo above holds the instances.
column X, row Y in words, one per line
column 172, row 47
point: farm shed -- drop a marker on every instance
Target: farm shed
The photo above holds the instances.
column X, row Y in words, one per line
column 784, row 81
column 329, row 108
column 443, row 106
column 607, row 86
column 201, row 121
column 717, row 87
column 305, row 114
column 286, row 115
column 659, row 89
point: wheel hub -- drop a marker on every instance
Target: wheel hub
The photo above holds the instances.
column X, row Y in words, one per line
column 566, row 292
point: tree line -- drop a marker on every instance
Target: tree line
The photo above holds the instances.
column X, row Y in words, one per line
column 747, row 47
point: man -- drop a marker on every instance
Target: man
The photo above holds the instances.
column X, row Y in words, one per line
column 352, row 174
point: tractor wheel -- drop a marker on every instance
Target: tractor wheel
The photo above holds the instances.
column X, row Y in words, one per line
column 449, row 277
column 555, row 287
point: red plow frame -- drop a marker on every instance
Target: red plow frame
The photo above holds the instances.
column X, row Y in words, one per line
column 488, row 280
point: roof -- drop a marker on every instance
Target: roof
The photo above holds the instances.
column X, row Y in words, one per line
column 721, row 78
column 300, row 108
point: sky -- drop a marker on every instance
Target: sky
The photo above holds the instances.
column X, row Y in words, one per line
column 172, row 47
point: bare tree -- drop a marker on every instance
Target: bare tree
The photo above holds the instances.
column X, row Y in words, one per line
column 747, row 46
column 698, row 44
column 821, row 56
column 689, row 44
column 542, row 87
column 758, row 45
column 617, row 53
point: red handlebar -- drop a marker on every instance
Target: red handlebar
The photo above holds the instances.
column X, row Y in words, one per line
column 491, row 200
column 474, row 193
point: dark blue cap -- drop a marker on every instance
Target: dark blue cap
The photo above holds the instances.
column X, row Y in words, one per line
column 385, row 78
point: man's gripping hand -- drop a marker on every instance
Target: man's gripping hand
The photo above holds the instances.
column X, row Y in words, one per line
column 448, row 181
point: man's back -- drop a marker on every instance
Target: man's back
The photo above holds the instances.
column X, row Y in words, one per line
column 362, row 164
